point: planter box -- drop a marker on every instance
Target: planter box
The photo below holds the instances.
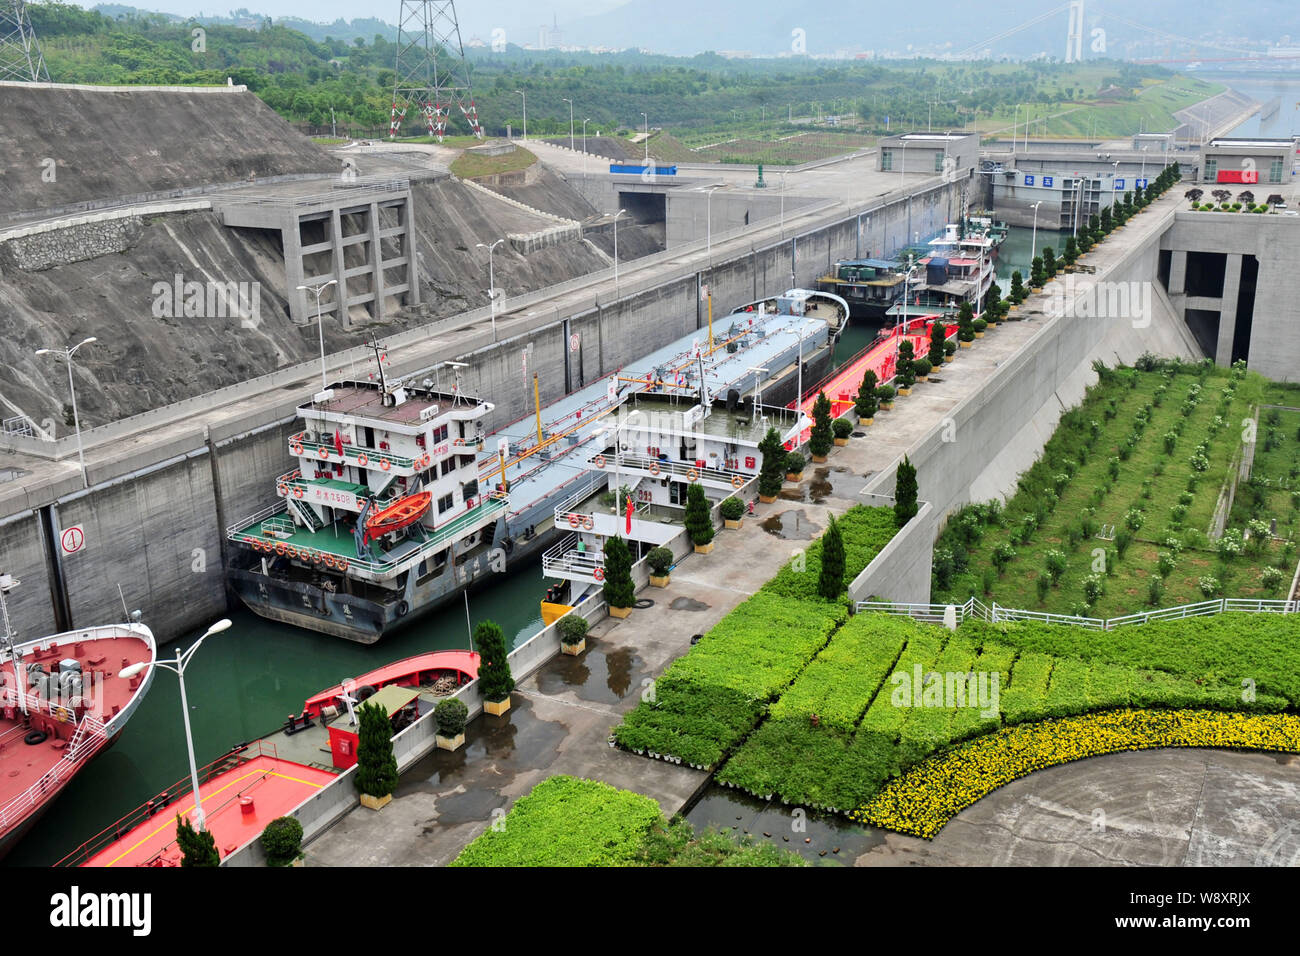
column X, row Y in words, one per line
column 301, row 861
column 923, row 378
column 376, row 803
column 620, row 612
column 573, row 650
column 840, row 442
column 819, row 458
column 795, row 476
column 885, row 407
column 949, row 359
column 767, row 499
column 979, row 335
column 733, row 523
column 904, row 391
column 965, row 345
column 451, row 743
column 865, row 422
column 660, row 582
column 704, row 548
column 496, row 707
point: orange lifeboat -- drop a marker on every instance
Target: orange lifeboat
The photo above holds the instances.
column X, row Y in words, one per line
column 399, row 514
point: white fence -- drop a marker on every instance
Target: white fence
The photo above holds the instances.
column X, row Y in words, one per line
column 976, row 610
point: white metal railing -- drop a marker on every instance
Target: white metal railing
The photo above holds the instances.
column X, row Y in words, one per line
column 564, row 560
column 973, row 609
column 86, row 742
column 586, row 490
column 691, row 472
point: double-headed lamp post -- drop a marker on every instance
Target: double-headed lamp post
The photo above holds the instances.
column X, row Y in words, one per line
column 316, row 290
column 1033, row 246
column 67, row 354
column 708, row 223
column 570, row 102
column 177, row 666
column 584, row 146
column 525, row 96
column 492, row 284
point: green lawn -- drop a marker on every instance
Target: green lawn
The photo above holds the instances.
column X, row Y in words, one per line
column 1102, row 473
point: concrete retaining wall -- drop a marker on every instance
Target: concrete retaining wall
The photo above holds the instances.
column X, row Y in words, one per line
column 901, row 571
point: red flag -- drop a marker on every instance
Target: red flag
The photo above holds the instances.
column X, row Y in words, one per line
column 338, row 443
column 630, row 505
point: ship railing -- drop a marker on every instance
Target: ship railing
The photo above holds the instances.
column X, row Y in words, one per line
column 236, row 531
column 564, row 560
column 660, row 469
column 487, row 507
column 585, row 491
column 150, row 808
column 298, row 446
column 81, row 748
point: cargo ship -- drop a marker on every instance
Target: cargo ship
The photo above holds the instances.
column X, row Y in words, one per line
column 64, row 704
column 869, row 286
column 959, row 266
column 248, row 787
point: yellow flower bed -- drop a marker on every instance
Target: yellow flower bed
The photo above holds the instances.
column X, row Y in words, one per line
column 923, row 800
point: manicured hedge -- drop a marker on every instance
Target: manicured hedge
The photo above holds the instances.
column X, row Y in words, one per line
column 564, row 821
column 923, row 800
column 708, row 700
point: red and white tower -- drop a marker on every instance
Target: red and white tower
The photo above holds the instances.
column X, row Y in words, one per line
column 432, row 73
column 20, row 52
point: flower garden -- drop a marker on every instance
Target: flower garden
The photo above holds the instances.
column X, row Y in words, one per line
column 707, row 701
column 565, row 821
column 1125, row 508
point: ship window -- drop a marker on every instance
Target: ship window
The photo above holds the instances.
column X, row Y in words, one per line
column 448, row 465
column 440, row 433
column 445, row 503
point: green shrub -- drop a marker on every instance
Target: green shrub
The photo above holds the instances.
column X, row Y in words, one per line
column 794, row 463
column 282, row 841
column 451, row 714
column 831, row 580
column 661, row 559
column 905, row 492
column 819, row 442
column 842, row 428
column 376, row 765
column 866, row 404
column 198, row 847
column 618, row 589
column 732, row 509
column 771, row 474
column 699, row 516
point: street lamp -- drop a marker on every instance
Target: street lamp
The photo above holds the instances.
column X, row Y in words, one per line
column 1033, row 248
column 521, row 93
column 616, row 215
column 492, row 284
column 570, row 102
column 753, row 413
column 708, row 223
column 647, row 138
column 320, row 322
column 67, row 354
column 783, row 174
column 182, row 661
column 584, row 146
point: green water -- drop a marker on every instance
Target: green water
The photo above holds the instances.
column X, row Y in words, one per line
column 241, row 685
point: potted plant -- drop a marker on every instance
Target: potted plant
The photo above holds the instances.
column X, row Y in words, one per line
column 1036, row 275
column 949, row 351
column 842, row 428
column 819, row 443
column 923, row 367
column 198, row 847
column 282, row 842
column 794, row 465
column 966, row 325
column 904, row 376
column 618, row 590
column 905, row 492
column 1018, row 291
column 573, row 628
column 885, row 394
column 699, row 520
column 451, row 714
column 494, row 679
column 979, row 325
column 1049, row 263
column 733, row 512
column 865, row 404
column 376, row 766
column 661, row 561
column 992, row 305
column 769, row 475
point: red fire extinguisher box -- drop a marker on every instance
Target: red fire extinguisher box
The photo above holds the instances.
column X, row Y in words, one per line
column 344, row 738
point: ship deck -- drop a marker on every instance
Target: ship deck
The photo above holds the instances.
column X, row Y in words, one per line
column 274, row 785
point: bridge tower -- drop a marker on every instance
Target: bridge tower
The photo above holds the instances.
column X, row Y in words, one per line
column 432, row 74
column 20, row 52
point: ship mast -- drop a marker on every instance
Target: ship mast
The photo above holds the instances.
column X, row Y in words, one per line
column 7, row 584
column 376, row 347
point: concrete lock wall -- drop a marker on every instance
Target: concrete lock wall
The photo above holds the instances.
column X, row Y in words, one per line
column 901, row 571
column 979, row 450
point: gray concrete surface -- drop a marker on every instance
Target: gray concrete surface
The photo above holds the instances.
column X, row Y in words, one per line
column 1145, row 808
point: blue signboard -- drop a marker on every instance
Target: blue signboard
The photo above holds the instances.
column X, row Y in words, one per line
column 1140, row 184
column 1029, row 180
column 1119, row 184
column 1047, row 180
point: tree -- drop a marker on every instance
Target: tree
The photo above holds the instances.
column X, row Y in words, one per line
column 1036, row 277
column 1071, row 251
column 938, row 333
column 905, row 493
column 376, row 765
column 198, row 847
column 820, row 441
column 906, row 370
column 699, row 523
column 1107, row 221
column 282, row 841
column 1049, row 262
column 1085, row 241
column 618, row 589
column 966, row 322
column 495, row 680
column 771, row 474
column 865, row 403
column 1018, row 291
column 831, row 581
column 993, row 302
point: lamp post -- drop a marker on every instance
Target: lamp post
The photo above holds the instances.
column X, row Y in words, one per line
column 180, row 662
column 570, row 102
column 525, row 97
column 647, row 138
column 753, row 412
column 1033, row 247
column 320, row 322
column 584, row 146
column 67, row 354
column 492, row 284
column 616, row 215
